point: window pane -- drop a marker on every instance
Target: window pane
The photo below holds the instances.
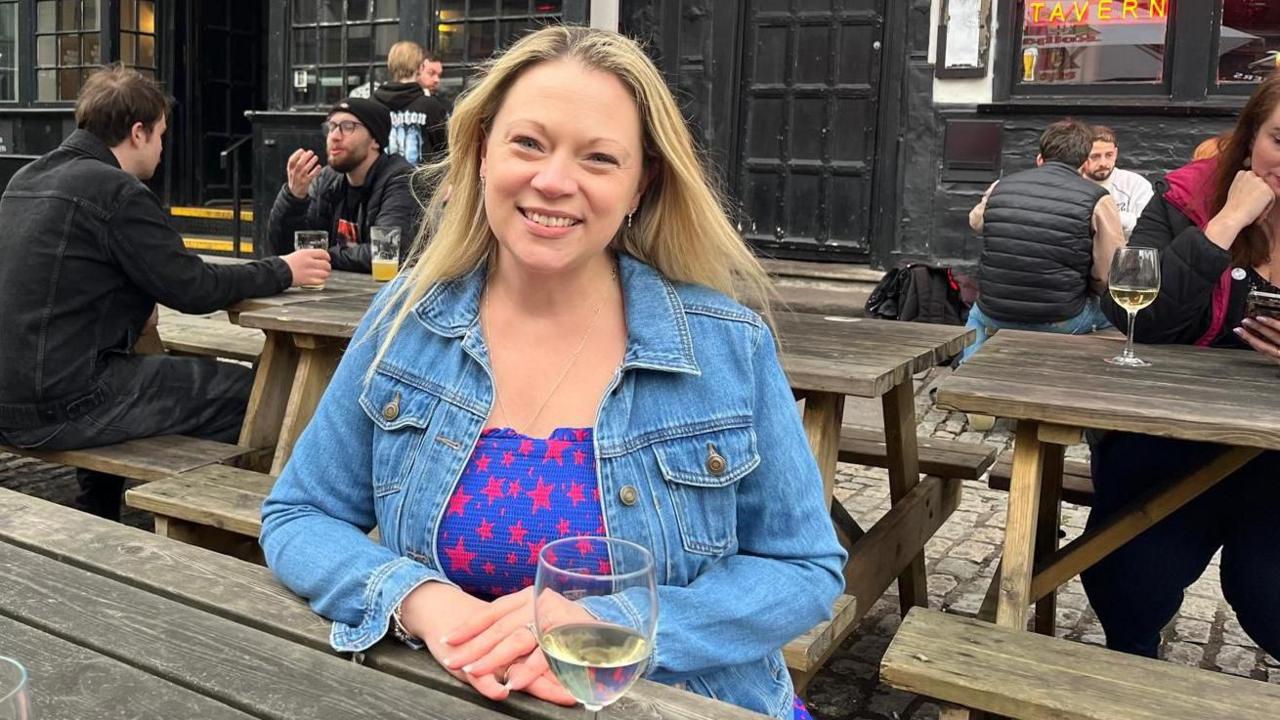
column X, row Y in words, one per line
column 384, row 36
column 128, row 48
column 67, row 15
column 515, row 7
column 8, row 85
column 330, row 11
column 8, row 54
column 331, row 89
column 147, row 16
column 483, row 8
column 1073, row 44
column 356, row 78
column 304, row 47
column 359, row 44
column 46, row 16
column 449, row 40
column 128, row 20
column 386, row 9
column 331, row 45
column 68, row 83
column 147, row 50
column 450, row 9
column 303, row 87
column 480, row 43
column 357, row 9
column 1249, row 47
column 92, row 45
column 47, row 50
column 304, row 11
column 46, row 85
column 89, row 16
column 68, row 49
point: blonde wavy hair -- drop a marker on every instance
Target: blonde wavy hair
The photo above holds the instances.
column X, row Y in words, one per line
column 680, row 227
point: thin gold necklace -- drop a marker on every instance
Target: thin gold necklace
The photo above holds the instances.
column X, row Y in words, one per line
column 595, row 314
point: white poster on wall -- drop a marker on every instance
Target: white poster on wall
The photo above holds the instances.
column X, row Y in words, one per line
column 964, row 29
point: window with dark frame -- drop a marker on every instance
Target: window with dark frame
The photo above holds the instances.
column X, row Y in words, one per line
column 8, row 50
column 138, row 35
column 468, row 32
column 339, row 47
column 1091, row 42
column 1248, row 41
column 68, row 47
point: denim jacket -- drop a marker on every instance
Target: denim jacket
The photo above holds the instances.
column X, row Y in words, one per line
column 745, row 551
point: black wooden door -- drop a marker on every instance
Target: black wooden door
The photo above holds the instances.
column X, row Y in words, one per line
column 225, row 78
column 809, row 95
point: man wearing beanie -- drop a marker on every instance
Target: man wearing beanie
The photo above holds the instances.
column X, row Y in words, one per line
column 361, row 187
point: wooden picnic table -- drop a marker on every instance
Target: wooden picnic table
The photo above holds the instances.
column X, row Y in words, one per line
column 1057, row 385
column 112, row 621
column 826, row 358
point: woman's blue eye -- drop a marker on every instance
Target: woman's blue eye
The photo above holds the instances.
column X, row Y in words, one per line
column 601, row 157
column 527, row 142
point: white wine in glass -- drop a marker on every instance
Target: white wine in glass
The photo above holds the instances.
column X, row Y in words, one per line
column 597, row 662
column 1134, row 283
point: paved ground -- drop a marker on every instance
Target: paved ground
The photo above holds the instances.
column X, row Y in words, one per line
column 961, row 559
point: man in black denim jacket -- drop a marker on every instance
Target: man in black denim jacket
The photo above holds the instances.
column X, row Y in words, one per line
column 87, row 255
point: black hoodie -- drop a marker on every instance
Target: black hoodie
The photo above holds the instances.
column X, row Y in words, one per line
column 417, row 121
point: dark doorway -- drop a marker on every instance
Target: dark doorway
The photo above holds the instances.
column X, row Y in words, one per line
column 810, row 89
column 222, row 62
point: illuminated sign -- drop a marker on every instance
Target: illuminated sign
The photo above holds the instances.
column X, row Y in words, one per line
column 1095, row 11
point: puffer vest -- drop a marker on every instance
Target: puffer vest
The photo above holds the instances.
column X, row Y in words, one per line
column 1038, row 251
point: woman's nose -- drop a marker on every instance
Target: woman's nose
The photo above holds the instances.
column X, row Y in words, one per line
column 555, row 178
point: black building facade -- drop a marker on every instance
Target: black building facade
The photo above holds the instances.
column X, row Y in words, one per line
column 839, row 129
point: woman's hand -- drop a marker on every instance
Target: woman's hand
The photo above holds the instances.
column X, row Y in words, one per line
column 503, row 635
column 1249, row 198
column 426, row 613
column 1262, row 334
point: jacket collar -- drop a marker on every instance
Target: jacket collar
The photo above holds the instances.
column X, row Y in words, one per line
column 86, row 143
column 1191, row 190
column 658, row 334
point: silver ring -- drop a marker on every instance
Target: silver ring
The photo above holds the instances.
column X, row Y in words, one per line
column 533, row 630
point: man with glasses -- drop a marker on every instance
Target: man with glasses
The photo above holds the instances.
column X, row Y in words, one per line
column 362, row 186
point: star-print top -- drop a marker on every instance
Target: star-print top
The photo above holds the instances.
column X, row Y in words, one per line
column 517, row 494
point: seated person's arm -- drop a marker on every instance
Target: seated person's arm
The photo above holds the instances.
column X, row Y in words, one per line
column 295, row 205
column 976, row 214
column 1108, row 236
column 788, row 569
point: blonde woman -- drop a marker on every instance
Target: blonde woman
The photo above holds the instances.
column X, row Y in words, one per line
column 565, row 359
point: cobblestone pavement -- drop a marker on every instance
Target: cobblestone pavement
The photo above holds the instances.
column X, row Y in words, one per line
column 960, row 561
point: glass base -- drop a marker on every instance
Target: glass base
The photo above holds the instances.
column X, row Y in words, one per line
column 1123, row 361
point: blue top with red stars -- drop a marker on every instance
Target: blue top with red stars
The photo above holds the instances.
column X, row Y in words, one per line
column 517, row 494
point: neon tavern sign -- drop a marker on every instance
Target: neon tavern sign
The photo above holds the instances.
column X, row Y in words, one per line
column 1044, row 12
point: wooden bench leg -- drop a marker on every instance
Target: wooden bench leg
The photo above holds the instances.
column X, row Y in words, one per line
column 210, row 538
column 271, row 384
column 319, row 358
column 1048, row 520
column 904, row 474
column 823, row 415
column 1018, row 561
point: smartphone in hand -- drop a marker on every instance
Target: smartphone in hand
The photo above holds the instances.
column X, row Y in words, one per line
column 1262, row 304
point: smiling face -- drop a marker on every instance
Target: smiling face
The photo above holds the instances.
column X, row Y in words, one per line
column 562, row 164
column 1101, row 162
column 1265, row 154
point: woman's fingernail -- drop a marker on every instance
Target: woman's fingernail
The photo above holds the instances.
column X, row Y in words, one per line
column 467, row 669
column 1238, row 331
column 445, row 639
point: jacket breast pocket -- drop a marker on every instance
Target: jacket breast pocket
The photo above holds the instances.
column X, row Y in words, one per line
column 401, row 414
column 701, row 473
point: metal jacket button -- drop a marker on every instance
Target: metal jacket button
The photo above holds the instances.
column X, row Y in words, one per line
column 391, row 410
column 716, row 463
column 628, row 495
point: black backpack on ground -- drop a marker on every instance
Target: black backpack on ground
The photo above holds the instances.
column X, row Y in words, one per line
column 919, row 293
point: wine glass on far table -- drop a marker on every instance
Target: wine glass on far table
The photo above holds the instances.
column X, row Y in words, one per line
column 597, row 662
column 1134, row 283
column 15, row 701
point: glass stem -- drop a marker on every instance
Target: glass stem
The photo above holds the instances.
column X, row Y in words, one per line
column 1128, row 345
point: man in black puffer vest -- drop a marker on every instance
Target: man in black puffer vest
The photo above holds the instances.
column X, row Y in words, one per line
column 1049, row 237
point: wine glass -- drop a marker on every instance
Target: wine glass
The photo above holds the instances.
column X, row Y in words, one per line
column 15, row 702
column 597, row 662
column 1134, row 284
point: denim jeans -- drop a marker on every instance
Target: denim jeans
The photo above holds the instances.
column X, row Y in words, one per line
column 148, row 395
column 1088, row 320
column 1138, row 589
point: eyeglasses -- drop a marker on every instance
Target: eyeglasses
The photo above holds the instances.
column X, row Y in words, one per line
column 344, row 128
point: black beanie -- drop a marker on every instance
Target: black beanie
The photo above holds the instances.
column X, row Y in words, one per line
column 375, row 116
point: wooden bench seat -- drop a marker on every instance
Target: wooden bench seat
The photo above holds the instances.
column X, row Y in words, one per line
column 147, row 459
column 938, row 456
column 1024, row 675
column 210, row 337
column 1077, row 480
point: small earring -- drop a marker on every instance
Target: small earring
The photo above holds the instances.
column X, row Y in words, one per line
column 481, row 183
column 629, row 216
column 1248, row 162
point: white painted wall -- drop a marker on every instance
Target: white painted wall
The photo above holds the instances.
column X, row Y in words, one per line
column 604, row 14
column 961, row 91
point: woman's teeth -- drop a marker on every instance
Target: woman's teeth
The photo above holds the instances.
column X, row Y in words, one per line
column 550, row 221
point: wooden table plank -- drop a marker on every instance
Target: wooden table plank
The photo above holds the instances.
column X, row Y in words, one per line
column 69, row 682
column 331, row 317
column 250, row 596
column 248, row 669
